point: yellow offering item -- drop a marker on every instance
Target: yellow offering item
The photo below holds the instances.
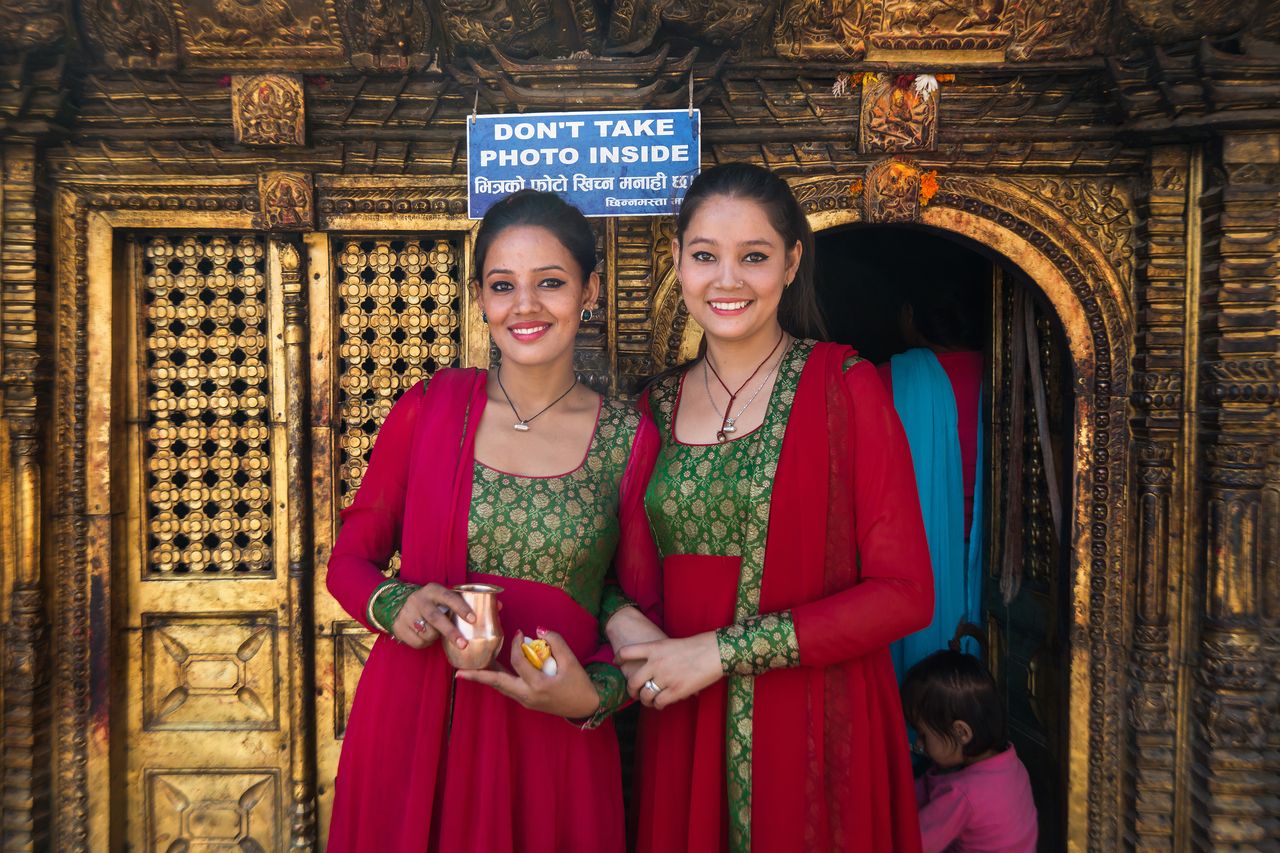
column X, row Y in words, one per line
column 538, row 653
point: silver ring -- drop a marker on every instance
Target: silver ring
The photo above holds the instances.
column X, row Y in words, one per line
column 653, row 685
column 419, row 624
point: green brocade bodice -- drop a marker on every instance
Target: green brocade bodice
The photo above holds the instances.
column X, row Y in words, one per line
column 561, row 530
column 699, row 497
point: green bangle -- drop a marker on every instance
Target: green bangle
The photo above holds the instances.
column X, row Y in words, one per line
column 611, row 601
column 758, row 644
column 386, row 602
column 611, row 687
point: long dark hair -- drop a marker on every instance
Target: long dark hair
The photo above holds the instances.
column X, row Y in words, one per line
column 545, row 210
column 948, row 686
column 798, row 312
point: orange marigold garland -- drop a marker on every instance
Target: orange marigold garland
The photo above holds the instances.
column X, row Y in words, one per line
column 928, row 186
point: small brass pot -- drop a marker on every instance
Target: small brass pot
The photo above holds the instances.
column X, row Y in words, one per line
column 484, row 636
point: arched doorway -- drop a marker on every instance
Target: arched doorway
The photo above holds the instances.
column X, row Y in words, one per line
column 967, row 300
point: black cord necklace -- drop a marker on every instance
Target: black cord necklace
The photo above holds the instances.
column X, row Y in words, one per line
column 522, row 424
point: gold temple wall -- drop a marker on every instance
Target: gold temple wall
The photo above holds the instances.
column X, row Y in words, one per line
column 1128, row 170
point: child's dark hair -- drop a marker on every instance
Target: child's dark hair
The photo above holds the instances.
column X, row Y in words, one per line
column 948, row 686
column 545, row 210
column 798, row 312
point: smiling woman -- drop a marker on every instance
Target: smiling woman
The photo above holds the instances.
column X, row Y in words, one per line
column 548, row 511
column 793, row 553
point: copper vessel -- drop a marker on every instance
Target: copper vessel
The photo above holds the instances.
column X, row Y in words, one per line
column 484, row 636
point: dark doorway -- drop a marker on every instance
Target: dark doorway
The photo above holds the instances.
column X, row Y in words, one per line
column 965, row 296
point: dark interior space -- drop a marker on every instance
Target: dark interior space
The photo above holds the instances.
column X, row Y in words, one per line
column 867, row 274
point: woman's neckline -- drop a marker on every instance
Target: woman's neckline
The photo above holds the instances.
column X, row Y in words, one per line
column 675, row 409
column 595, row 429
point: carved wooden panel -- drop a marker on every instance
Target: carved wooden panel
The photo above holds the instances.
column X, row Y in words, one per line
column 209, row 673
column 212, row 810
column 207, row 448
column 351, row 647
column 398, row 322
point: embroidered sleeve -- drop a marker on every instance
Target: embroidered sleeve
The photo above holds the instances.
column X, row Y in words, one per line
column 611, row 687
column 849, row 362
column 613, row 600
column 385, row 603
column 759, row 644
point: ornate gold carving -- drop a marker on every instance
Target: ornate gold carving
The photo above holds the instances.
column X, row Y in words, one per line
column 28, row 24
column 209, row 673
column 287, row 201
column 1238, row 641
column 25, row 685
column 821, row 29
column 899, row 113
column 207, row 436
column 398, row 306
column 942, row 24
column 212, row 809
column 387, row 34
column 1167, row 21
column 267, row 109
column 245, row 32
column 519, row 27
column 636, row 22
column 1050, row 29
column 1101, row 207
column 132, row 33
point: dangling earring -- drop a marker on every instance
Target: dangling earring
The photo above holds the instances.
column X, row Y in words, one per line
column 586, row 315
column 484, row 317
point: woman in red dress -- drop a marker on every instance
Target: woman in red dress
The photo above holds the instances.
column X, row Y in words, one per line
column 522, row 478
column 793, row 554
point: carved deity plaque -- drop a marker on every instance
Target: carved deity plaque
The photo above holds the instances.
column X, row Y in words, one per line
column 267, row 109
column 287, row 201
column 895, row 189
column 899, row 113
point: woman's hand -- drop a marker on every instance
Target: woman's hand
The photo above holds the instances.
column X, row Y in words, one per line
column 629, row 627
column 680, row 668
column 425, row 617
column 568, row 693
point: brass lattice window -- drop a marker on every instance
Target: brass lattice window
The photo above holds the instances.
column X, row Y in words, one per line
column 398, row 300
column 207, row 449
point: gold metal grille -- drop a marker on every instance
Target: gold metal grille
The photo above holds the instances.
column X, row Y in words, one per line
column 398, row 300
column 207, row 448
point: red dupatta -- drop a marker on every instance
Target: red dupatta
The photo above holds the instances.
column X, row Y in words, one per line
column 846, row 553
column 396, row 736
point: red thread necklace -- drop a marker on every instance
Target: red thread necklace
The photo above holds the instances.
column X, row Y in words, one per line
column 726, row 422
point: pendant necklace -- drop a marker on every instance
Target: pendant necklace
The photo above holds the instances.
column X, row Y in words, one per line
column 522, row 424
column 728, row 418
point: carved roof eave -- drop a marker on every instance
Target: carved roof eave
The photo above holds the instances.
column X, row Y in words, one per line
column 33, row 100
column 1198, row 86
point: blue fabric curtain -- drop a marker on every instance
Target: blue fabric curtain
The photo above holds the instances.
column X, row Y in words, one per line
column 926, row 405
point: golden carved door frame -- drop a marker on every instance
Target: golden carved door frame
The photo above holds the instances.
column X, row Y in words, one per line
column 213, row 699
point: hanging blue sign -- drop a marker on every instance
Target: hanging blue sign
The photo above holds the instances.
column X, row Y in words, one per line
column 605, row 163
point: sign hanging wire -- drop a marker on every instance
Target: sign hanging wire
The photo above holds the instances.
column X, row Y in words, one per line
column 691, row 93
column 475, row 107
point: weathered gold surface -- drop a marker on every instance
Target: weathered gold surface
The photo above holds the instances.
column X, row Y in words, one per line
column 159, row 692
column 268, row 109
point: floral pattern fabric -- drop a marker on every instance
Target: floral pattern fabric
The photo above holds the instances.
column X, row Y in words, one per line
column 561, row 531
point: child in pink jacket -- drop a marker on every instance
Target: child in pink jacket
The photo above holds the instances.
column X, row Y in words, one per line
column 977, row 798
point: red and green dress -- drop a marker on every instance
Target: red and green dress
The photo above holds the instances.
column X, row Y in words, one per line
column 800, row 544
column 429, row 763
